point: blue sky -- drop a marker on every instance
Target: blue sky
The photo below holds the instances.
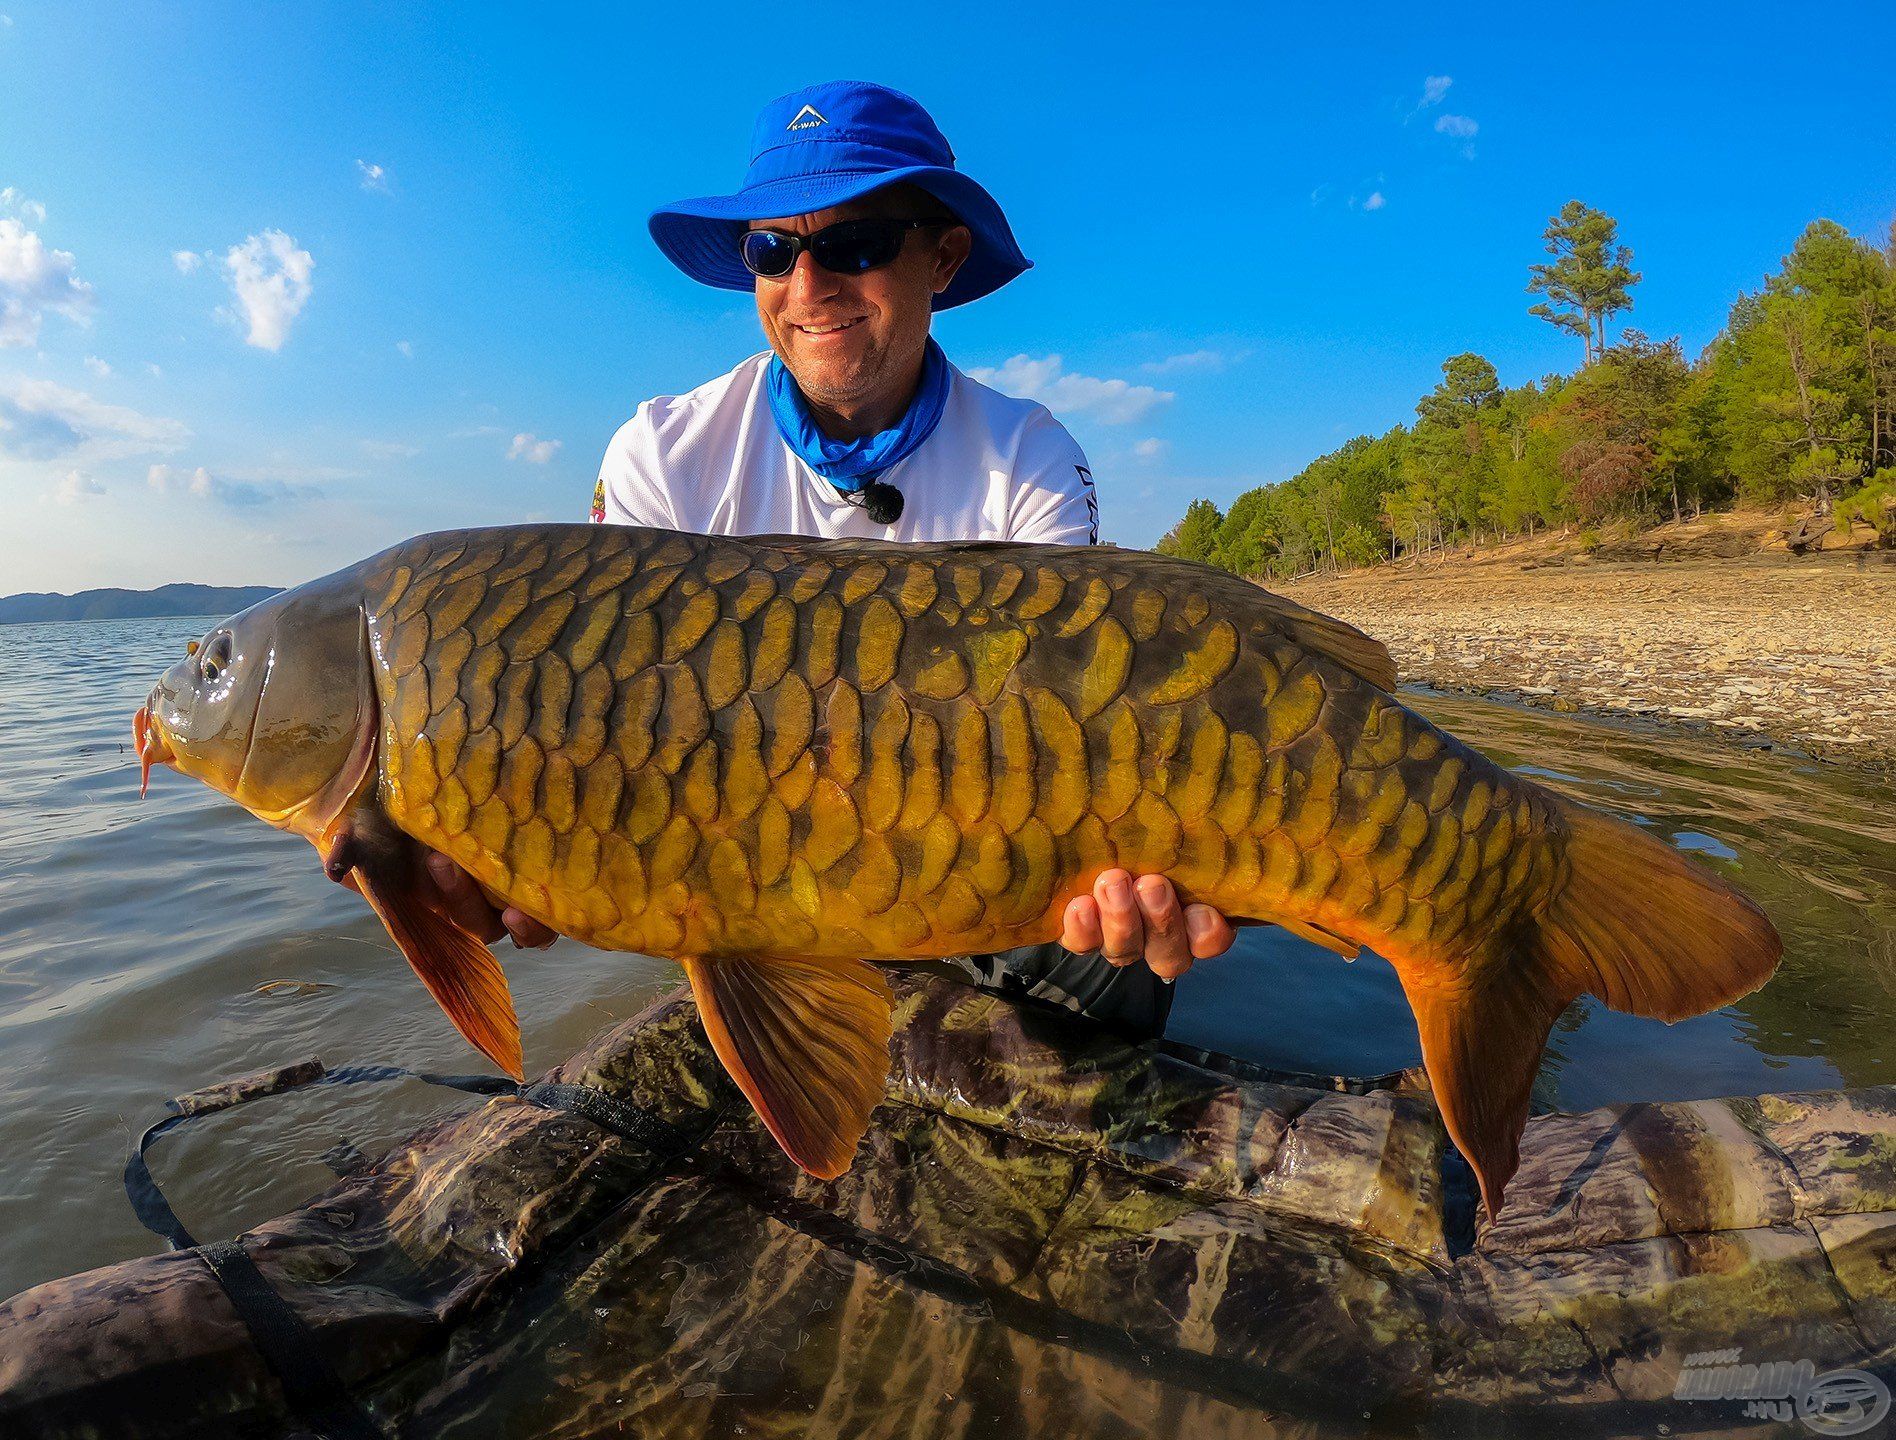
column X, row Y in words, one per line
column 280, row 285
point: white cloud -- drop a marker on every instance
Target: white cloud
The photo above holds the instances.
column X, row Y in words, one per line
column 1374, row 200
column 34, row 282
column 174, row 480
column 74, row 487
column 1459, row 127
column 98, row 367
column 374, row 177
column 152, row 369
column 532, row 449
column 389, row 450
column 407, row 348
column 1150, row 448
column 1434, row 87
column 201, row 484
column 40, row 420
column 1046, row 379
column 30, row 211
column 188, row 260
column 1192, row 360
column 270, row 277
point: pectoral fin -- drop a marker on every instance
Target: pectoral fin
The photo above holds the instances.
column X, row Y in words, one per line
column 459, row 971
column 807, row 1041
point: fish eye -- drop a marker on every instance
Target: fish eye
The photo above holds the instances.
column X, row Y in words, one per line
column 216, row 656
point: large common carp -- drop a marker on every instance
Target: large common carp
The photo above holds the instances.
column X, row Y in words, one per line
column 772, row 758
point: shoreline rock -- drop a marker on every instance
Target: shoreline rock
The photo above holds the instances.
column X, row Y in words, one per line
column 1760, row 651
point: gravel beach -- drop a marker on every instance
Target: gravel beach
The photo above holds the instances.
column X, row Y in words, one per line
column 1793, row 651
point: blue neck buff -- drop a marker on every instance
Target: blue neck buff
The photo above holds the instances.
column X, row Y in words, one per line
column 850, row 464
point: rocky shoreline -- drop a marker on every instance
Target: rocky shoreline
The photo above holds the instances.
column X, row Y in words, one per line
column 1764, row 650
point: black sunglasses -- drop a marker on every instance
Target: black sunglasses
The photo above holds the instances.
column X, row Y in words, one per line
column 849, row 247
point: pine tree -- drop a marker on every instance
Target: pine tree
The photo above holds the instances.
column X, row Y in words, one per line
column 1591, row 277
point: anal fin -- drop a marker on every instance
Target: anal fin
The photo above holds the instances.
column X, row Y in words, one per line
column 807, row 1041
column 459, row 971
column 1317, row 935
column 1482, row 1038
column 1304, row 930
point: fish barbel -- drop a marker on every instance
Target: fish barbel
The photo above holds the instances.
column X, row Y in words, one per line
column 772, row 758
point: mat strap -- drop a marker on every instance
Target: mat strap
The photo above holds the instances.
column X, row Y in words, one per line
column 313, row 1391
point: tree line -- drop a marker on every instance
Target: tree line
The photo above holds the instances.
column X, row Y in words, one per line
column 1794, row 399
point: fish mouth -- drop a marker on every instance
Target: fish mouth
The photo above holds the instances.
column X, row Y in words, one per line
column 149, row 741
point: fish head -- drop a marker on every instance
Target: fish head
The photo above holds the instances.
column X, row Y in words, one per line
column 274, row 708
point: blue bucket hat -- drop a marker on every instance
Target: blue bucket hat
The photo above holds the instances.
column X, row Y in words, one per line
column 827, row 145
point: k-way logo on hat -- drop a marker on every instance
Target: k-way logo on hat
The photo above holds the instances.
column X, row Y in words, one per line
column 806, row 119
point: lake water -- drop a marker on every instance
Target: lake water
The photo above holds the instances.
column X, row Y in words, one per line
column 140, row 943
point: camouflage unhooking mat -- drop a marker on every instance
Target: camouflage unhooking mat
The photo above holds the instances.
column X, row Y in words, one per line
column 1047, row 1232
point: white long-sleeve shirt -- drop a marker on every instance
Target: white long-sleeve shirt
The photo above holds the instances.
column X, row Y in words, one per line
column 711, row 462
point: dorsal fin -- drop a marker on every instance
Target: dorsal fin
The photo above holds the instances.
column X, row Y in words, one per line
column 1342, row 644
column 1332, row 638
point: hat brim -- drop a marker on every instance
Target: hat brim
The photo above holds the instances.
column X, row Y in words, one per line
column 700, row 236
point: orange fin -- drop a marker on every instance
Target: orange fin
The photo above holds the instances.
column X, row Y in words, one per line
column 1647, row 930
column 1304, row 930
column 807, row 1041
column 459, row 971
column 1317, row 935
column 1481, row 1044
column 1633, row 922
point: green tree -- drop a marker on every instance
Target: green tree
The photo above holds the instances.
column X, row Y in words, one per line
column 1247, row 540
column 1690, row 452
column 1590, row 279
column 1797, row 395
column 1468, row 384
column 1797, row 370
column 1195, row 537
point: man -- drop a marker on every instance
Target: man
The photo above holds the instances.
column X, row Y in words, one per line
column 853, row 225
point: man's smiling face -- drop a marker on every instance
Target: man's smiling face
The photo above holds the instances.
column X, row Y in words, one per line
column 851, row 341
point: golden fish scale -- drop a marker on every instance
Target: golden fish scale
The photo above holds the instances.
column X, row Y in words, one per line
column 692, row 745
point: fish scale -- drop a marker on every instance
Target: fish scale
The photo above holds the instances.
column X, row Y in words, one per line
column 652, row 692
column 773, row 759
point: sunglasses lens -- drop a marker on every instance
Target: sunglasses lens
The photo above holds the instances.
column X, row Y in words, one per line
column 856, row 246
column 767, row 253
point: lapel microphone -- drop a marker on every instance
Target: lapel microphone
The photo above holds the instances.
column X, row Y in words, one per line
column 881, row 503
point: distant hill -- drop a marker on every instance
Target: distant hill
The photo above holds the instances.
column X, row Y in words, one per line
column 132, row 604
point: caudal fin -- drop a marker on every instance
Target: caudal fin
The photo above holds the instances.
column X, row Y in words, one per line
column 1647, row 930
column 1633, row 922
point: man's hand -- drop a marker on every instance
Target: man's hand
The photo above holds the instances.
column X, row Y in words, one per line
column 1127, row 920
column 461, row 899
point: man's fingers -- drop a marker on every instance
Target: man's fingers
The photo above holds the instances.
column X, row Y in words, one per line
column 527, row 933
column 1082, row 933
column 1122, row 932
column 1209, row 932
column 460, row 899
column 1167, row 950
